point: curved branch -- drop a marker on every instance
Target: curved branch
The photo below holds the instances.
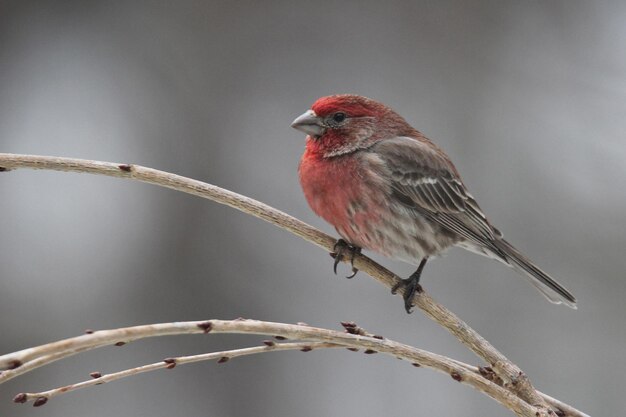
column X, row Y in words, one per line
column 97, row 378
column 514, row 379
column 333, row 338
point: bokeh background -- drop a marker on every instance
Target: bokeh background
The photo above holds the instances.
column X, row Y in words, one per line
column 528, row 98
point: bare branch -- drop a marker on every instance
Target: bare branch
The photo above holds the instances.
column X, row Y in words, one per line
column 169, row 363
column 513, row 378
column 313, row 335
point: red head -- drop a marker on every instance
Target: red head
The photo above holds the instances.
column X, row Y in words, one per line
column 345, row 123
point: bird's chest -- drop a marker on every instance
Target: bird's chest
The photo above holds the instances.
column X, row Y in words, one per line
column 350, row 194
column 343, row 192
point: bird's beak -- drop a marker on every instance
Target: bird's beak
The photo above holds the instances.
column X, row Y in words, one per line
column 309, row 123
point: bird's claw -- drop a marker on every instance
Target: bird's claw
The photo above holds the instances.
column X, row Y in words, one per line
column 340, row 250
column 411, row 287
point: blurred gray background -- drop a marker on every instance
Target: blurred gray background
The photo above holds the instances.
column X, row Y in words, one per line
column 528, row 98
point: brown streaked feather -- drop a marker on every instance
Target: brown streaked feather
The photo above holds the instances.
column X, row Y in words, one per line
column 430, row 184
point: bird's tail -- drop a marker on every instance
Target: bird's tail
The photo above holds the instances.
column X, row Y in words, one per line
column 551, row 289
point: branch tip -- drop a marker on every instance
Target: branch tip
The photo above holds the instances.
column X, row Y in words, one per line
column 20, row 398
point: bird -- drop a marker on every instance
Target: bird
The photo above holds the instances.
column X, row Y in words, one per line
column 387, row 188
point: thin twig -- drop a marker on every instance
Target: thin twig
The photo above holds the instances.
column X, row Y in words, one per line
column 295, row 332
column 170, row 363
column 513, row 377
column 45, row 354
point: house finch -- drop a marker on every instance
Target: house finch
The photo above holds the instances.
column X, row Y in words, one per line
column 386, row 187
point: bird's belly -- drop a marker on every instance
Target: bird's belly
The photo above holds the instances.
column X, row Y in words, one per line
column 398, row 233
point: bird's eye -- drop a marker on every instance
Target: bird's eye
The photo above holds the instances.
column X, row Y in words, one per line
column 339, row 117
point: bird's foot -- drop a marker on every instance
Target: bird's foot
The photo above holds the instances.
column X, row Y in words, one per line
column 343, row 250
column 411, row 286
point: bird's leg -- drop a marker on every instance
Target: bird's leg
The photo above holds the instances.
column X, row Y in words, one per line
column 411, row 286
column 342, row 249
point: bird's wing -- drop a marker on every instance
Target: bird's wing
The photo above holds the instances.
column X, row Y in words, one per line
column 424, row 179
